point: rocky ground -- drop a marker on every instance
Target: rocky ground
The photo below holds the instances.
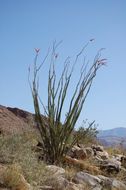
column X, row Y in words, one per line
column 84, row 168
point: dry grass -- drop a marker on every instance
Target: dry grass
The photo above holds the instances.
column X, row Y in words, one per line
column 116, row 150
column 73, row 166
column 18, row 150
column 12, row 175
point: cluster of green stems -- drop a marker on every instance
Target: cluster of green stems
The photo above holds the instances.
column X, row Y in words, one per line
column 54, row 132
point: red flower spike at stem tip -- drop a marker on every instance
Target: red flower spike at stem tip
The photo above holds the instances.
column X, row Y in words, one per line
column 37, row 50
column 102, row 62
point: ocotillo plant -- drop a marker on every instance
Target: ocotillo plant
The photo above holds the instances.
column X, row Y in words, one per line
column 54, row 132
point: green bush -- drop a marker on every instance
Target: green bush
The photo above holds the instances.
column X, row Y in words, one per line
column 86, row 134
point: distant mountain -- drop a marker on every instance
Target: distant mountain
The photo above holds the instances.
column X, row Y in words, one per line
column 117, row 132
column 113, row 137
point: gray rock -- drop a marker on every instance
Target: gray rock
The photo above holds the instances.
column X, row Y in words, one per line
column 110, row 183
column 99, row 182
column 98, row 160
column 89, row 151
column 117, row 157
column 98, row 148
column 111, row 166
column 82, row 177
column 77, row 152
column 118, row 185
column 55, row 170
column 102, row 154
column 61, row 182
column 57, row 176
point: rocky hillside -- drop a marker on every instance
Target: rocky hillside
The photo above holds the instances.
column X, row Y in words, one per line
column 84, row 168
column 15, row 120
column 22, row 165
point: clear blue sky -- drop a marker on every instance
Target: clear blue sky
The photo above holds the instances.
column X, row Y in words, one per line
column 26, row 24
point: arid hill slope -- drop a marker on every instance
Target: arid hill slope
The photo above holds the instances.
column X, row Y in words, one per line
column 14, row 120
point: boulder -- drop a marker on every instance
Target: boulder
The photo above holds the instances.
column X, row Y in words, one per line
column 55, row 170
column 99, row 182
column 110, row 183
column 89, row 151
column 98, row 148
column 121, row 158
column 82, row 177
column 117, row 157
column 57, row 176
column 98, row 160
column 103, row 155
column 111, row 166
column 81, row 154
column 60, row 182
column 78, row 153
column 118, row 185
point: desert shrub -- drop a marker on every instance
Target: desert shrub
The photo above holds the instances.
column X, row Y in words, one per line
column 55, row 131
column 87, row 133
